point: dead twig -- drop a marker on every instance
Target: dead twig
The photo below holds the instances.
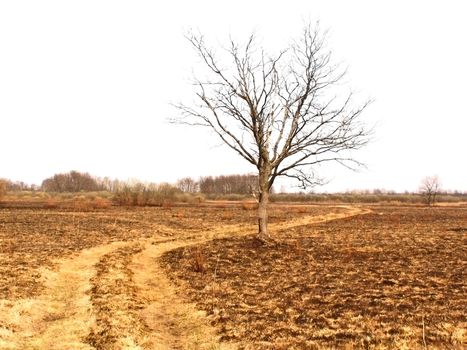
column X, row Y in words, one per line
column 423, row 332
column 217, row 264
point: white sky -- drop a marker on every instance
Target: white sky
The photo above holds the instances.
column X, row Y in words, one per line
column 87, row 85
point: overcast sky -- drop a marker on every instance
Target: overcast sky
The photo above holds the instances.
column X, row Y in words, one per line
column 87, row 85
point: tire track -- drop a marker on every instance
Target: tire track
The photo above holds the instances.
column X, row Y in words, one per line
column 177, row 323
column 115, row 302
column 116, row 296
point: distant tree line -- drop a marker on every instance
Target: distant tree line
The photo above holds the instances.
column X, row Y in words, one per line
column 141, row 194
column 229, row 184
column 223, row 184
column 73, row 181
column 188, row 185
column 16, row 186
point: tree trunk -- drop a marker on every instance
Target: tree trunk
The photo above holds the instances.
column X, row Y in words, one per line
column 263, row 233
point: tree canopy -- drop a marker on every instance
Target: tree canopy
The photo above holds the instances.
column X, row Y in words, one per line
column 282, row 112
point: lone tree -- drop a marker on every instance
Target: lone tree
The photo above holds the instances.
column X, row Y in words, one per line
column 429, row 188
column 281, row 112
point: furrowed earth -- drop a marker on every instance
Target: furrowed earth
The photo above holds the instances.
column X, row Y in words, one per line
column 194, row 277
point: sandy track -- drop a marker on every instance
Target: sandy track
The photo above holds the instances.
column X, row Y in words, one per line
column 62, row 316
column 116, row 296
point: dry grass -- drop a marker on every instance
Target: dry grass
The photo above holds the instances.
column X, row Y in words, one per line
column 173, row 323
column 83, row 278
column 249, row 205
column 3, row 188
column 32, row 239
column 198, row 260
column 115, row 303
column 57, row 289
column 361, row 282
column 58, row 318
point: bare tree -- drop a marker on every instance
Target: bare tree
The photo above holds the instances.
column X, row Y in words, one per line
column 282, row 113
column 430, row 188
column 228, row 184
column 187, row 184
column 72, row 181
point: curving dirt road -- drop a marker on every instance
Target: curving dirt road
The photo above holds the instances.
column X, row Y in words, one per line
column 116, row 296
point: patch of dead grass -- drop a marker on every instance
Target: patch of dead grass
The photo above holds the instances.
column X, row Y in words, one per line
column 173, row 323
column 371, row 281
column 50, row 260
column 40, row 323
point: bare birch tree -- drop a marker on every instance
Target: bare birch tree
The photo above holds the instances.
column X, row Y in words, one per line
column 187, row 185
column 280, row 112
column 430, row 187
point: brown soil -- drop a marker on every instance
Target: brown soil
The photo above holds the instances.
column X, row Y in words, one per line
column 33, row 238
column 392, row 279
column 111, row 286
column 93, row 280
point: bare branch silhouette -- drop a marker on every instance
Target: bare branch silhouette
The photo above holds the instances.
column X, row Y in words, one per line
column 279, row 112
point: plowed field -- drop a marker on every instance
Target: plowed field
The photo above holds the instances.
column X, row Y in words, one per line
column 193, row 277
column 391, row 279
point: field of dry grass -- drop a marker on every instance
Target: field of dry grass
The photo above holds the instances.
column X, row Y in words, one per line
column 391, row 279
column 124, row 278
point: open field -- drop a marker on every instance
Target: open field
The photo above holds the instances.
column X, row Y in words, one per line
column 337, row 277
column 394, row 278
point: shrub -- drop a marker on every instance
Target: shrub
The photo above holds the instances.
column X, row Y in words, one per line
column 248, row 205
column 139, row 194
column 198, row 260
column 124, row 196
column 101, row 203
column 228, row 197
column 190, row 198
column 72, row 181
column 51, row 203
column 3, row 188
column 87, row 204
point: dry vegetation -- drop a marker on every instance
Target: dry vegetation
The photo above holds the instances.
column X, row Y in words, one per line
column 31, row 238
column 87, row 278
column 3, row 188
column 393, row 279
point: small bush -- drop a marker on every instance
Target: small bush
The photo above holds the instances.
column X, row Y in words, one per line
column 139, row 194
column 101, row 203
column 198, row 260
column 228, row 197
column 51, row 203
column 297, row 247
column 190, row 198
column 89, row 204
column 3, row 188
column 81, row 205
column 301, row 210
column 246, row 205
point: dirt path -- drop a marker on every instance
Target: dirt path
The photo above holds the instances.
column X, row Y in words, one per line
column 116, row 296
column 177, row 324
column 40, row 323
